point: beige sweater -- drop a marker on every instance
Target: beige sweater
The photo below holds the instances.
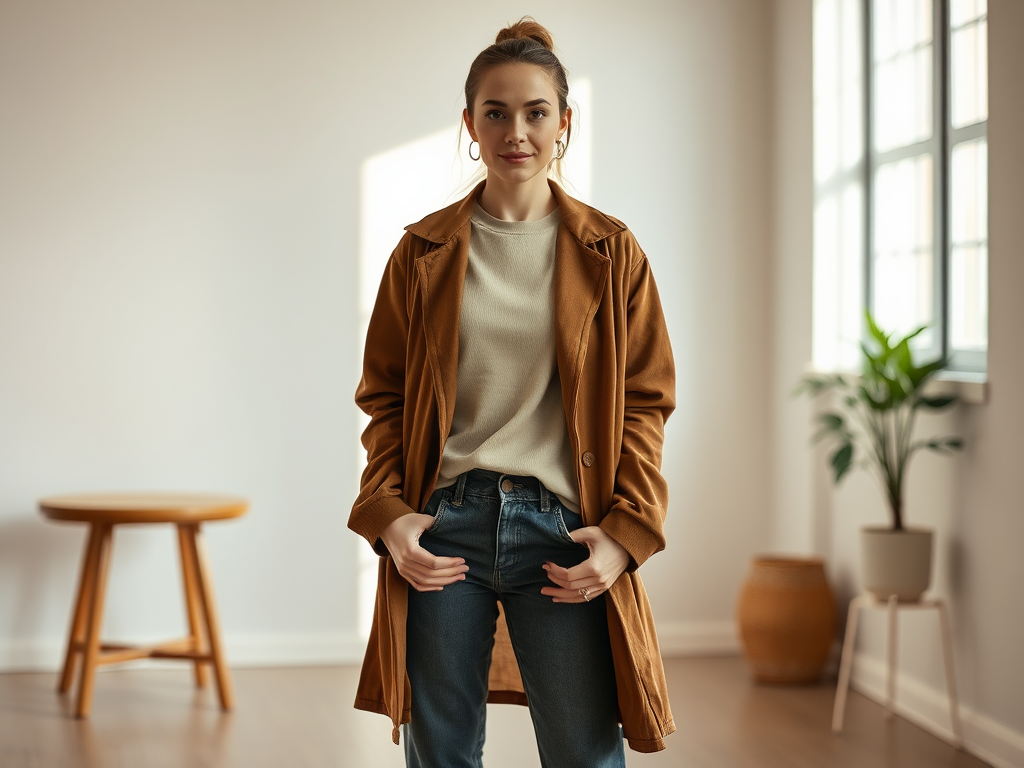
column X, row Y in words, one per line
column 508, row 407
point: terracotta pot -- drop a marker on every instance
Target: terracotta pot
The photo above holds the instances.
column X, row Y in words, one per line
column 786, row 616
column 896, row 562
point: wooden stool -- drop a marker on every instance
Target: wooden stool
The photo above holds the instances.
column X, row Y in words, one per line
column 893, row 606
column 102, row 512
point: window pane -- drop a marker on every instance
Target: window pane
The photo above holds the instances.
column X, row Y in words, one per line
column 968, row 269
column 839, row 189
column 903, row 65
column 969, row 74
column 903, row 246
column 969, row 192
column 838, row 278
column 968, row 298
column 963, row 11
column 838, row 88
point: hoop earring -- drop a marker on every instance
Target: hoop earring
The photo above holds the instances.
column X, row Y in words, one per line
column 561, row 149
column 470, row 149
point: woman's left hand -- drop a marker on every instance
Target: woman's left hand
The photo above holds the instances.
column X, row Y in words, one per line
column 595, row 575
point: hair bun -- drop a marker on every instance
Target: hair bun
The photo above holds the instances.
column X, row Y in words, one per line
column 526, row 28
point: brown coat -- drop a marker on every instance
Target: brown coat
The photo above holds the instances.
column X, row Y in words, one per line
column 618, row 385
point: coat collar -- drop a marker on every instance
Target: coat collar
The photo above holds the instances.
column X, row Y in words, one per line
column 587, row 225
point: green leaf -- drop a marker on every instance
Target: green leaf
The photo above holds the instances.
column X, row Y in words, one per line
column 915, row 333
column 920, row 375
column 813, row 385
column 831, row 420
column 939, row 444
column 842, row 460
column 876, row 332
column 936, row 402
column 883, row 403
column 901, row 357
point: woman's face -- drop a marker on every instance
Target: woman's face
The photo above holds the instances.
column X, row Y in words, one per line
column 515, row 119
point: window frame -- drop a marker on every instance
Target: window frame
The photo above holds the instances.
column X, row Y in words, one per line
column 940, row 145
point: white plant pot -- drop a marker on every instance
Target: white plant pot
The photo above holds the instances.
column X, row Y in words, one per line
column 896, row 562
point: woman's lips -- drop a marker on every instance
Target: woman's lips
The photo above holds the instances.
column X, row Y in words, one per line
column 515, row 157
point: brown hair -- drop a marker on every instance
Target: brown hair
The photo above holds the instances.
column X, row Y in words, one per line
column 524, row 42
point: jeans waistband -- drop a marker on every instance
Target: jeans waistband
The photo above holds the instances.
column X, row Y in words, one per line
column 491, row 484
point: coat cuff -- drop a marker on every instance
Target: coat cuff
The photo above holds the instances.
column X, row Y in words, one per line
column 369, row 521
column 637, row 539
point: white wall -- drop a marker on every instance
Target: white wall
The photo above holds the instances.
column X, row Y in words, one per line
column 973, row 501
column 179, row 238
column 795, row 527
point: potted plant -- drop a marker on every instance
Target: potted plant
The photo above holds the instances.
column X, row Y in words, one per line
column 873, row 427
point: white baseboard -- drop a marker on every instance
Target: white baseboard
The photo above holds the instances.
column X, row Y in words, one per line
column 253, row 650
column 698, row 638
column 928, row 708
column 31, row 655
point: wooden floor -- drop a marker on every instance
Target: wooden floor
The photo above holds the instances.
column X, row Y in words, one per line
column 302, row 718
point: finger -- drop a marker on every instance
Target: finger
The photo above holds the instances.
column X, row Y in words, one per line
column 424, row 558
column 583, row 575
column 423, row 573
column 570, row 595
column 426, row 582
column 594, row 585
column 433, row 584
column 423, row 588
column 583, row 536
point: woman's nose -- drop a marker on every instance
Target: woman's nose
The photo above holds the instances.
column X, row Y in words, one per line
column 516, row 134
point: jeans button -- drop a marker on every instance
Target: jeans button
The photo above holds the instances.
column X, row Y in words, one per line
column 506, row 485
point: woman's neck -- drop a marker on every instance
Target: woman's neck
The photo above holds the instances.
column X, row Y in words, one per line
column 517, row 202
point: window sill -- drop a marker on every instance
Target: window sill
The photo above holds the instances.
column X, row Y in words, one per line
column 971, row 388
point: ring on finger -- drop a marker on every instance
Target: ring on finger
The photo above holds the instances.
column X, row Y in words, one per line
column 585, row 593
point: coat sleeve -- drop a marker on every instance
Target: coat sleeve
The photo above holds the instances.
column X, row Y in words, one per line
column 381, row 395
column 640, row 500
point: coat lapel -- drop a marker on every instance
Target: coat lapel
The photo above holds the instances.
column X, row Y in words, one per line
column 442, row 273
column 581, row 274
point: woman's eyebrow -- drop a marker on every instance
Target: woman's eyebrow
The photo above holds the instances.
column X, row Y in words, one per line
column 534, row 103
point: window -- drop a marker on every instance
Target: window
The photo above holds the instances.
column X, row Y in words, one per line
column 901, row 175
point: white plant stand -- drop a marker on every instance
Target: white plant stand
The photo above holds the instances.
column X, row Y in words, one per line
column 893, row 606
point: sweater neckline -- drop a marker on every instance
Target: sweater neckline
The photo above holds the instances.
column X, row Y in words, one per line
column 483, row 219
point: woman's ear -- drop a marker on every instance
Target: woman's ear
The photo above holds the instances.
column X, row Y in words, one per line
column 563, row 124
column 469, row 124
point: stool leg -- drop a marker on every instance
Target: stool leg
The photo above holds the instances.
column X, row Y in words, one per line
column 845, row 663
column 100, row 545
column 890, row 675
column 76, row 635
column 947, row 657
column 192, row 605
column 197, row 548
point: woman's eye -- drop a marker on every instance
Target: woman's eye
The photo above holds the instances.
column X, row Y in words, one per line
column 494, row 115
column 538, row 114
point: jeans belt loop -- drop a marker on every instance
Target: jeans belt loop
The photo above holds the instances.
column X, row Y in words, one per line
column 545, row 499
column 460, row 487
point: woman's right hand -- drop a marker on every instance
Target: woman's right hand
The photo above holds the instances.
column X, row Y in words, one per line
column 425, row 572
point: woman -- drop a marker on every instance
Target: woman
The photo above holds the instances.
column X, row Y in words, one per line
column 517, row 376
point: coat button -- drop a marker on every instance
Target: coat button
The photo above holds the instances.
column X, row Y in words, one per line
column 588, row 459
column 506, row 485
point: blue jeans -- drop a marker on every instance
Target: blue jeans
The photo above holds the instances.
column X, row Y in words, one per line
column 506, row 527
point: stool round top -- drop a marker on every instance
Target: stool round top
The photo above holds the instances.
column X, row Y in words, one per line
column 142, row 507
